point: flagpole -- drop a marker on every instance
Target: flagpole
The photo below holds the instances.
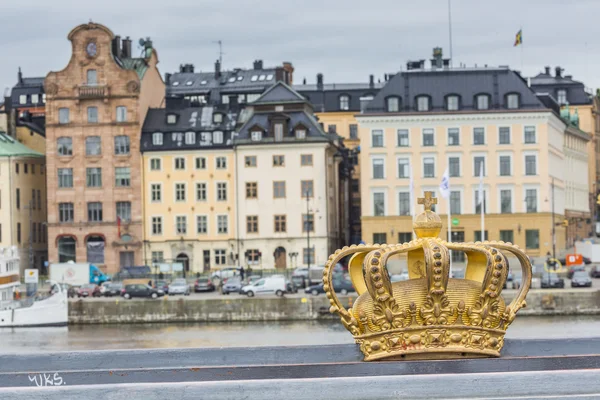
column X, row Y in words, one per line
column 482, row 197
column 412, row 200
column 450, row 28
column 521, row 44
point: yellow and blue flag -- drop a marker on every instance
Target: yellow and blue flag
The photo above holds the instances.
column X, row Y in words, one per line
column 519, row 38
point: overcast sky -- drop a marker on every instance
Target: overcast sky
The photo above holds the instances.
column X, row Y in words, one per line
column 345, row 40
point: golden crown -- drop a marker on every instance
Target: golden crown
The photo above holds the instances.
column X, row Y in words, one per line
column 430, row 315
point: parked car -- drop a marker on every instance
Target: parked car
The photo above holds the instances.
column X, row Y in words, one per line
column 291, row 286
column 203, row 285
column 551, row 280
column 179, row 286
column 252, row 279
column 70, row 289
column 300, row 277
column 112, row 289
column 517, row 280
column 89, row 290
column 273, row 284
column 342, row 286
column 581, row 279
column 573, row 269
column 139, row 290
column 233, row 285
column 595, row 272
column 162, row 285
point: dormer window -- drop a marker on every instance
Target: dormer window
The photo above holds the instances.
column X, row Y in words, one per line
column 35, row 98
column 232, row 79
column 561, row 96
column 23, row 99
column 269, row 77
column 344, row 102
column 278, row 132
column 217, row 118
column 239, row 78
column 171, row 119
column 190, row 137
column 175, row 83
column 189, row 83
column 262, row 77
column 203, row 82
column 452, row 103
column 483, row 102
column 512, row 101
column 393, row 104
column 423, row 103
column 256, row 136
column 217, row 137
column 364, row 101
column 157, row 139
column 254, row 78
column 300, row 134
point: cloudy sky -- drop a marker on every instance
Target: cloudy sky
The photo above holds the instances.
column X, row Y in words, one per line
column 346, row 40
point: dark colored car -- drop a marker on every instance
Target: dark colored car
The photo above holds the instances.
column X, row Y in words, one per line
column 300, row 277
column 573, row 269
column 139, row 290
column 581, row 279
column 233, row 285
column 203, row 285
column 551, row 280
column 595, row 272
column 89, row 290
column 71, row 291
column 162, row 285
column 112, row 289
column 343, row 286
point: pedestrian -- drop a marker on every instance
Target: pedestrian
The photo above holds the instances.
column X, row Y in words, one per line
column 242, row 272
column 150, row 283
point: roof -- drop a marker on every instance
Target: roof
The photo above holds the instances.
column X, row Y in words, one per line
column 139, row 65
column 576, row 92
column 36, row 124
column 327, row 98
column 280, row 93
column 10, row 147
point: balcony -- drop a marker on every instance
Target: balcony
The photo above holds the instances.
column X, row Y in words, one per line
column 92, row 91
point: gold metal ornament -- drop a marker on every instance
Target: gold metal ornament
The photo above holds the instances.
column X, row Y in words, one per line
column 430, row 315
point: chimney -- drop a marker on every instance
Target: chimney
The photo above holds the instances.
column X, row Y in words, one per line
column 371, row 82
column 20, row 76
column 186, row 68
column 437, row 60
column 558, row 72
column 115, row 46
column 304, row 81
column 289, row 72
column 217, row 69
column 547, row 69
column 126, row 50
column 279, row 74
column 569, row 77
column 258, row 64
column 167, row 78
column 319, row 81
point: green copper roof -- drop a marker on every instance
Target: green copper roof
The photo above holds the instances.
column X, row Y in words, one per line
column 10, row 147
column 139, row 65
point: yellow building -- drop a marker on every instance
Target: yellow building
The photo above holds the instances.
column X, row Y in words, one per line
column 189, row 196
column 23, row 212
column 31, row 136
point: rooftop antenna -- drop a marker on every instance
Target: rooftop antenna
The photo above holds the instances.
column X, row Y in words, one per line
column 220, row 43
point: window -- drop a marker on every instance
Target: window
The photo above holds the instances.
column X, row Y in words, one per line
column 95, row 212
column 452, row 103
column 454, row 166
column 156, row 226
column 23, row 99
column 156, row 192
column 158, row 257
column 353, row 131
column 506, row 201
column 121, row 114
column 530, row 165
column 63, row 115
column 221, row 162
column 344, row 102
column 331, row 128
column 157, row 139
column 530, row 134
column 278, row 132
column 180, row 163
column 504, row 135
column 532, row 239
column 505, row 168
column 300, row 133
column 278, row 161
column 531, row 200
column 478, row 136
column 64, row 146
column 402, row 136
column 483, row 102
column 404, row 237
column 221, row 191
column 378, row 167
column 222, row 224
column 453, row 137
column 171, row 119
column 66, row 249
column 507, row 236
column 377, row 138
column 378, row 204
column 35, row 98
column 279, row 189
column 217, row 118
column 33, row 199
column 180, row 191
column 561, row 96
column 19, row 232
column 122, row 177
column 33, row 169
column 479, row 165
column 201, row 224
column 403, row 203
column 280, row 223
column 190, row 137
column 307, row 188
column 25, row 168
column 306, row 160
column 308, row 223
column 121, row 145
column 65, row 212
column 422, row 103
column 124, row 210
column 39, row 200
column 201, row 192
column 380, row 238
column 18, row 199
column 93, row 146
column 65, row 177
column 256, row 136
column 250, row 161
column 252, row 224
column 181, row 225
column 92, row 115
column 308, row 255
column 16, row 168
column 34, row 233
column 403, row 168
column 93, row 177
column 253, row 256
column 393, row 104
column 478, row 203
column 455, row 207
column 251, row 190
column 428, row 137
column 428, row 167
column 478, row 235
column 220, row 257
column 512, row 101
column 155, row 164
column 92, row 78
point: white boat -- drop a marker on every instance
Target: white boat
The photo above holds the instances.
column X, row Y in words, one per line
column 51, row 310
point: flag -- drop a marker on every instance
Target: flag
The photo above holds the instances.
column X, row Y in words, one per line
column 480, row 194
column 119, row 226
column 518, row 38
column 445, row 185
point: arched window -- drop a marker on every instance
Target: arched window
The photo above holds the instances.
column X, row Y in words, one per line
column 66, row 249
column 344, row 102
column 513, row 101
column 452, row 102
column 393, row 104
column 423, row 103
column 482, row 101
column 95, row 249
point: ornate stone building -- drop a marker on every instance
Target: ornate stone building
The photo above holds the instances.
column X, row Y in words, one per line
column 95, row 108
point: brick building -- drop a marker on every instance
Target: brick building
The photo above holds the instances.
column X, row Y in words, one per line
column 95, row 107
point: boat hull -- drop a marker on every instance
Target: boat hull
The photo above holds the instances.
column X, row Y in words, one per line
column 52, row 311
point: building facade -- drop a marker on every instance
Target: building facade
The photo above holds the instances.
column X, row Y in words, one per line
column 464, row 120
column 95, row 108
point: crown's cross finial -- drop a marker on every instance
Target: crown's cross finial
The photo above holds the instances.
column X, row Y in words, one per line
column 427, row 201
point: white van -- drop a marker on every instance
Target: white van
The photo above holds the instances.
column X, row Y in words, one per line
column 269, row 285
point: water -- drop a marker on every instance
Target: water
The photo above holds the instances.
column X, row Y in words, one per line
column 104, row 337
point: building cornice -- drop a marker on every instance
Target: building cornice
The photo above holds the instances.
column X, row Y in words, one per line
column 454, row 118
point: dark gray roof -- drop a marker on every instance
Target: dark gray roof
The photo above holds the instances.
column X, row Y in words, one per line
column 545, row 82
column 314, row 133
column 464, row 82
column 280, row 93
column 27, row 86
column 327, row 99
